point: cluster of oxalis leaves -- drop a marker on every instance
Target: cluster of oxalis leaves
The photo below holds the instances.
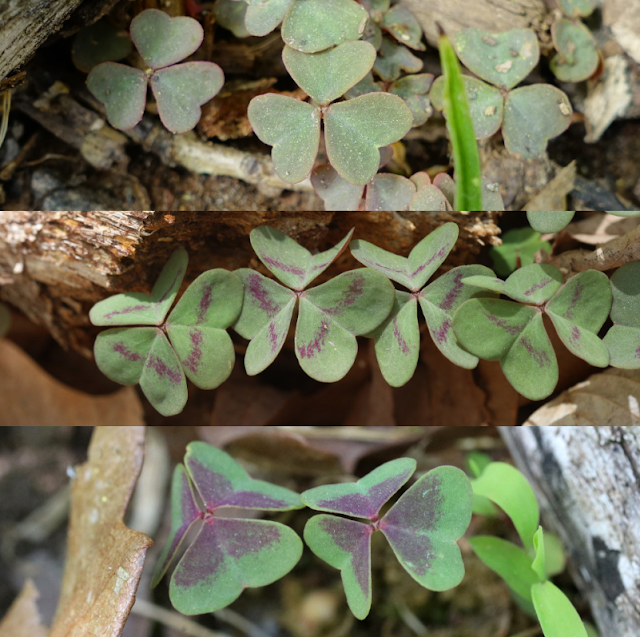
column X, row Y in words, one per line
column 230, row 554
column 465, row 317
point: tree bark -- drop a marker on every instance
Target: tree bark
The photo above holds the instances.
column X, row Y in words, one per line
column 587, row 481
column 55, row 265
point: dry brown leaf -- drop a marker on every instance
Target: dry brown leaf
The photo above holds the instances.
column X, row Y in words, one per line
column 601, row 227
column 609, row 398
column 104, row 557
column 23, row 618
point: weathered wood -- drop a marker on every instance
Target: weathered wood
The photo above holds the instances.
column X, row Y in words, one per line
column 588, row 484
column 55, row 265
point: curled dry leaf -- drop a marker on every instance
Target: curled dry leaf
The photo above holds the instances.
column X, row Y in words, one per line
column 23, row 618
column 104, row 557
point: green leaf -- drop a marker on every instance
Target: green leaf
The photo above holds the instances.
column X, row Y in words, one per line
column 578, row 8
column 5, row 319
column 403, row 26
column 535, row 284
column 263, row 16
column 387, row 191
column 327, row 75
column 293, row 264
column 336, row 192
column 423, row 526
column 555, row 556
column 556, row 613
column 509, row 489
column 519, row 247
column 394, row 58
column 429, row 198
column 230, row 14
column 357, row 128
column 99, row 42
column 264, row 319
column 180, row 91
column 315, row 25
column 509, row 561
column 333, row 314
column 549, row 220
column 502, row 59
column 292, row 127
column 162, row 40
column 532, row 116
column 413, row 90
column 577, row 58
column 539, row 561
column 134, row 308
column 122, row 90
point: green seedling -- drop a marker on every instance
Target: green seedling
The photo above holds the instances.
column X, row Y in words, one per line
column 179, row 89
column 519, row 248
column 577, row 58
column 397, row 340
column 397, row 21
column 393, row 59
column 354, row 130
column 159, row 351
column 5, row 319
column 549, row 221
column 525, row 570
column 578, row 8
column 623, row 339
column 530, row 115
column 422, row 527
column 330, row 316
column 229, row 553
column 513, row 332
column 100, row 42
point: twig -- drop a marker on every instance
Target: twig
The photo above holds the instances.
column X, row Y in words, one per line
column 238, row 621
column 367, row 434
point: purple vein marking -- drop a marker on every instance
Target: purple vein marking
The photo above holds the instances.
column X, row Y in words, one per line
column 383, row 267
column 441, row 254
column 316, row 345
column 447, row 303
column 574, row 337
column 192, row 363
column 539, row 355
column 396, row 332
column 179, row 273
column 283, row 266
column 349, row 295
column 320, row 266
column 538, row 286
column 121, row 348
column 511, row 329
column 205, row 304
column 638, row 353
column 273, row 337
column 160, row 368
column 577, row 295
column 128, row 310
column 261, row 296
column 441, row 334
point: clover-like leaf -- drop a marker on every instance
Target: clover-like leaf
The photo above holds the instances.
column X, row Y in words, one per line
column 357, row 128
column 393, row 58
column 292, row 127
column 539, row 560
column 315, row 25
column 231, row 14
column 555, row 612
column 413, row 90
column 336, row 192
column 180, row 91
column 519, row 247
column 264, row 319
column 623, row 339
column 333, row 314
column 162, row 40
column 532, row 116
column 502, row 59
column 99, row 42
column 429, row 197
column 403, row 26
column 263, row 16
column 549, row 220
column 577, row 58
column 578, row 8
column 5, row 319
column 143, row 309
column 327, row 75
column 387, row 191
column 123, row 91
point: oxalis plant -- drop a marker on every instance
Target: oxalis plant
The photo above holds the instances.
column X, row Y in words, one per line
column 526, row 570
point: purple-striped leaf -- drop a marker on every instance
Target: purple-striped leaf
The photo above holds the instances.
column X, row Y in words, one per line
column 222, row 482
column 580, row 341
column 345, row 545
column 424, row 525
column 364, row 498
column 134, row 308
column 227, row 556
column 291, row 263
column 184, row 512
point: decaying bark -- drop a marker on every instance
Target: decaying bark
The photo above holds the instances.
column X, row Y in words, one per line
column 588, row 484
column 55, row 265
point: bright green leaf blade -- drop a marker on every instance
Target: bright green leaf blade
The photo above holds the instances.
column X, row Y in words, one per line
column 503, row 59
column 623, row 343
column 487, row 328
column 577, row 58
column 357, row 128
column 5, row 319
column 327, row 75
column 508, row 488
column 393, row 58
column 122, row 90
column 404, row 27
column 263, row 16
column 99, row 42
column 518, row 249
column 549, row 220
column 539, row 561
column 532, row 116
column 397, row 341
column 227, row 556
column 231, row 14
column 180, row 91
column 625, row 286
column 345, row 545
column 337, row 193
column 530, row 365
column 535, row 283
column 135, row 308
column 423, row 526
column 315, row 25
column 556, row 613
column 162, row 380
column 476, row 462
column 162, row 40
column 509, row 561
column 581, row 342
column 121, row 353
column 578, row 8
column 387, row 191
column 184, row 512
column 292, row 127
column 555, row 556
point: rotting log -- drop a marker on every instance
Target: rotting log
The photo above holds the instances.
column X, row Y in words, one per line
column 587, row 480
column 55, row 265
